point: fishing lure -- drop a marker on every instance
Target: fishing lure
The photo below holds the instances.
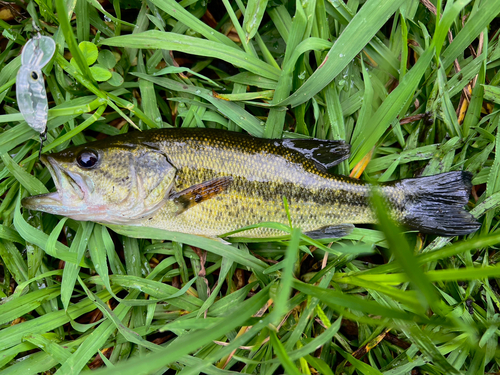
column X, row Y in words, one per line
column 30, row 85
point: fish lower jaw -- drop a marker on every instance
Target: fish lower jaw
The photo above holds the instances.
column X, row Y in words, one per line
column 51, row 203
column 38, row 202
column 54, row 203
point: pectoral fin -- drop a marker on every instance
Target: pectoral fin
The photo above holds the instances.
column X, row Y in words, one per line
column 196, row 194
column 324, row 153
column 335, row 231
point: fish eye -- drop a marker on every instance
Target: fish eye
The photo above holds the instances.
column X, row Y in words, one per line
column 87, row 159
column 34, row 75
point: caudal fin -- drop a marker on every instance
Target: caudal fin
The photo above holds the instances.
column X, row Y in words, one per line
column 435, row 204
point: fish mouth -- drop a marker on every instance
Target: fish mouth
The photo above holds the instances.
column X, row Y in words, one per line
column 71, row 190
column 66, row 182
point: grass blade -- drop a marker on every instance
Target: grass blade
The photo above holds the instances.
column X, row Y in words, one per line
column 195, row 46
column 356, row 35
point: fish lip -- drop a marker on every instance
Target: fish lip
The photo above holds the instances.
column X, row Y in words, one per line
column 59, row 175
column 69, row 195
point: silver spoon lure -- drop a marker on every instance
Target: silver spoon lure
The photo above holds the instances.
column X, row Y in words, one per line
column 30, row 84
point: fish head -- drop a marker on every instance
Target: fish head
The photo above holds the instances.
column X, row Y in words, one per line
column 115, row 184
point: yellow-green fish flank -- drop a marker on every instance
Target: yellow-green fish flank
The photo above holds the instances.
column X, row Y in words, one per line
column 210, row 182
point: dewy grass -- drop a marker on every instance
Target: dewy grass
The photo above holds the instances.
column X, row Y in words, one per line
column 412, row 88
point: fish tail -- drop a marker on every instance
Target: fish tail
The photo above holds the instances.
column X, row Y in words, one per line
column 435, row 204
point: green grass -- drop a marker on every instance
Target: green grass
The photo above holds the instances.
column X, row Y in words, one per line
column 384, row 76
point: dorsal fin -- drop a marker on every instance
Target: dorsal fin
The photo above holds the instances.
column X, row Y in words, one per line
column 324, row 153
column 198, row 193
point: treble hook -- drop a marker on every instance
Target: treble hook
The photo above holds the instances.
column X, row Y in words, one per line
column 43, row 138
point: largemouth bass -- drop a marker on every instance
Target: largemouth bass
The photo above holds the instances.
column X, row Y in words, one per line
column 210, row 182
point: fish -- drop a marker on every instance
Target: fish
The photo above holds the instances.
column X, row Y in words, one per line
column 212, row 182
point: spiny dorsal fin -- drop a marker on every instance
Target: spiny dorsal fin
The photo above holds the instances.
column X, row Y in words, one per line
column 195, row 194
column 324, row 153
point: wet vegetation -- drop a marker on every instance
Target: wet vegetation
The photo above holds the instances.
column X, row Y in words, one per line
column 411, row 85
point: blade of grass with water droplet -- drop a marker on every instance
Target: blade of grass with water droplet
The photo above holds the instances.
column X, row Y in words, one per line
column 50, row 347
column 191, row 341
column 176, row 297
column 445, row 252
column 114, row 317
column 96, row 339
column 13, row 261
column 66, row 30
column 195, row 46
column 338, row 300
column 15, row 308
column 285, row 285
column 70, row 272
column 39, row 238
column 282, row 355
column 225, row 267
column 149, row 104
column 178, row 12
column 253, row 17
column 98, row 256
column 13, row 335
column 488, row 10
column 233, row 111
column 390, row 108
column 29, row 182
column 357, row 34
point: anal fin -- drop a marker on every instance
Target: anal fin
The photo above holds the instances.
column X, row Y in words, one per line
column 334, row 231
column 198, row 193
